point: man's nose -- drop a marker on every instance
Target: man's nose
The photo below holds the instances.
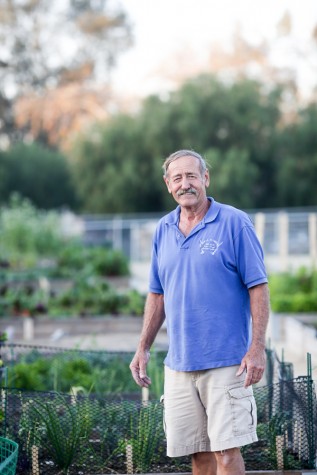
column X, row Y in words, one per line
column 185, row 183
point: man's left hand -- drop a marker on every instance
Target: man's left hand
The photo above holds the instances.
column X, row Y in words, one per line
column 254, row 365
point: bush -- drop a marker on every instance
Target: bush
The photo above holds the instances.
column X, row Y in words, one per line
column 133, row 303
column 98, row 261
column 88, row 295
column 38, row 174
column 294, row 293
column 97, row 373
column 27, row 234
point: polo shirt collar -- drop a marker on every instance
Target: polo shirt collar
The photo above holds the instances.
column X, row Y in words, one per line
column 212, row 213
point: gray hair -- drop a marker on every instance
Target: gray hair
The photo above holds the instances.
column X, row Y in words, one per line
column 184, row 153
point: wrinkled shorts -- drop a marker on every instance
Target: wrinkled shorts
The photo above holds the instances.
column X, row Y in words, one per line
column 207, row 410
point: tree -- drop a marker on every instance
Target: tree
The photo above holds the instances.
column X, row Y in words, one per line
column 297, row 171
column 234, row 177
column 36, row 173
column 112, row 170
column 57, row 115
column 49, row 44
column 243, row 116
column 117, row 166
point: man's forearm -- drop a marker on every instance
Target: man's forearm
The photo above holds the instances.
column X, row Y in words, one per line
column 154, row 317
column 254, row 360
column 260, row 311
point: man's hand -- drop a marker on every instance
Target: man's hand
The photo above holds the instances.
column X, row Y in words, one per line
column 138, row 368
column 254, row 365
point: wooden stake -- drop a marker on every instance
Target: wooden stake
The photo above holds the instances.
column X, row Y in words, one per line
column 279, row 451
column 145, row 396
column 129, row 454
column 35, row 460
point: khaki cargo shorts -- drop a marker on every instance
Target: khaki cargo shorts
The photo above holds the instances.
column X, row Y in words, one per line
column 207, row 410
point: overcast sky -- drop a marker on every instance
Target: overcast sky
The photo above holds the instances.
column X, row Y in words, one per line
column 164, row 27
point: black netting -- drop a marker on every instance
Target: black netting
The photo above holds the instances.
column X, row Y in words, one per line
column 115, row 432
column 84, row 434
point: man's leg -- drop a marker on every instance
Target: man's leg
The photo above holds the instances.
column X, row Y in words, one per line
column 229, row 462
column 204, row 463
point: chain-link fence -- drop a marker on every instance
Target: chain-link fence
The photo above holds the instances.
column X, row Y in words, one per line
column 115, row 432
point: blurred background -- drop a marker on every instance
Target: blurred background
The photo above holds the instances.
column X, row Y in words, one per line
column 96, row 93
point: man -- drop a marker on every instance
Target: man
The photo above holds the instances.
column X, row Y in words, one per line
column 208, row 279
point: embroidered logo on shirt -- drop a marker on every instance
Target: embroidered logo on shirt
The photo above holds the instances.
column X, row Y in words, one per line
column 209, row 245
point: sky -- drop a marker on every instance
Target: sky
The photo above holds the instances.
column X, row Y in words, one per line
column 163, row 28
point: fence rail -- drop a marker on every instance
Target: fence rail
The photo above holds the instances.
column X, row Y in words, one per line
column 289, row 238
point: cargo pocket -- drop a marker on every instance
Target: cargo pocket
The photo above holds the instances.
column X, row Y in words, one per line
column 243, row 409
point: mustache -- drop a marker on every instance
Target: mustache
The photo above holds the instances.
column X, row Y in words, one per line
column 191, row 191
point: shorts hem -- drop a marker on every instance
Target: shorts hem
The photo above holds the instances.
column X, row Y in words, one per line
column 238, row 441
column 183, row 450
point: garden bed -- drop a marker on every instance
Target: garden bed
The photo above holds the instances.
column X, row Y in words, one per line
column 44, row 326
column 98, row 409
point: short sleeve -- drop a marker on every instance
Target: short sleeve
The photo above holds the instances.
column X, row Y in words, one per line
column 155, row 285
column 250, row 258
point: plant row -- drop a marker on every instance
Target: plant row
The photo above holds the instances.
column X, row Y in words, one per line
column 98, row 373
column 74, row 434
column 83, row 296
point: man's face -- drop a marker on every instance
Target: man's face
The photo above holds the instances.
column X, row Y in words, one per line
column 185, row 182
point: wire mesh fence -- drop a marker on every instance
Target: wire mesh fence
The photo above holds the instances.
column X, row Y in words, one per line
column 80, row 433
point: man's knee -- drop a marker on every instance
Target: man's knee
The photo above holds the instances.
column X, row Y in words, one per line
column 204, row 463
column 229, row 458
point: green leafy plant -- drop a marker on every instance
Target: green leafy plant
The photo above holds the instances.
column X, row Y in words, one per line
column 3, row 338
column 97, row 260
column 27, row 233
column 277, row 426
column 33, row 376
column 144, row 436
column 294, row 292
column 88, row 295
column 156, row 373
column 59, row 426
column 99, row 374
column 133, row 303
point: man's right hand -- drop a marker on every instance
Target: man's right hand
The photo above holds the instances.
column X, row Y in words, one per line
column 138, row 368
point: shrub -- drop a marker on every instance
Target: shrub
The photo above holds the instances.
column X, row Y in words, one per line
column 101, row 374
column 294, row 293
column 133, row 303
column 99, row 261
column 27, row 233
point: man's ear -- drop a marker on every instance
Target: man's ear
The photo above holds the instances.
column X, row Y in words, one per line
column 207, row 178
column 167, row 184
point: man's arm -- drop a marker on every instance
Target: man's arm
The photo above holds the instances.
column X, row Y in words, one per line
column 154, row 317
column 254, row 361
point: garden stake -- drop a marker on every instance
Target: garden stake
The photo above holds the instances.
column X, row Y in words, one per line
column 145, row 396
column 279, row 451
column 129, row 454
column 28, row 328
column 296, row 438
column 35, row 460
column 300, row 443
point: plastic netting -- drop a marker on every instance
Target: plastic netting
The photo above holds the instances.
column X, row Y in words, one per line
column 8, row 456
column 117, row 432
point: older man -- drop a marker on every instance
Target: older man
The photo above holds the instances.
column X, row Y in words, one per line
column 208, row 280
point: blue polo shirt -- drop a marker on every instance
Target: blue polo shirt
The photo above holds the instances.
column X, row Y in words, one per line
column 205, row 279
